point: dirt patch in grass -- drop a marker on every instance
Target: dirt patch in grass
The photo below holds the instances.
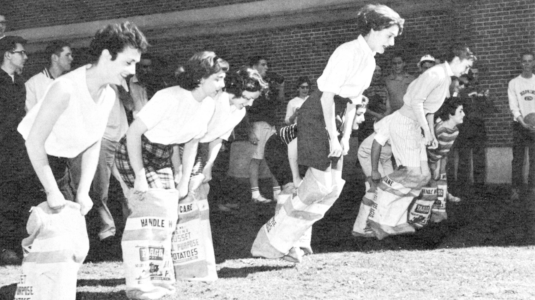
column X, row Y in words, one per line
column 483, row 251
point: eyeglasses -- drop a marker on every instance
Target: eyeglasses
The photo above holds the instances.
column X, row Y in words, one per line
column 304, row 87
column 21, row 52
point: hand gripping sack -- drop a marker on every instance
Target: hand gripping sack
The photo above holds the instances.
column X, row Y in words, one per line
column 297, row 215
column 361, row 228
column 192, row 247
column 54, row 251
column 420, row 208
column 306, row 239
column 146, row 244
column 394, row 195
column 438, row 213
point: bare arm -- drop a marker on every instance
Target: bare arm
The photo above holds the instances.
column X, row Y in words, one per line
column 327, row 105
column 133, row 146
column 89, row 166
column 375, row 155
column 55, row 103
column 213, row 151
column 188, row 161
column 430, row 123
column 348, row 126
column 177, row 163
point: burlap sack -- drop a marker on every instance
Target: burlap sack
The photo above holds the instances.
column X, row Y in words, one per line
column 297, row 215
column 394, row 195
column 420, row 208
column 438, row 212
column 306, row 239
column 146, row 244
column 191, row 247
column 361, row 228
column 53, row 253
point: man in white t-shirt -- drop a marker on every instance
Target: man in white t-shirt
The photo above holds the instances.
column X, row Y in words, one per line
column 59, row 54
column 521, row 93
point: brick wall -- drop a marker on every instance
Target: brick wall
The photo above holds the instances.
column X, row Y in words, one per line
column 497, row 31
column 37, row 13
column 304, row 50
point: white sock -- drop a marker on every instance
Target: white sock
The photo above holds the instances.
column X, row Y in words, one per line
column 256, row 192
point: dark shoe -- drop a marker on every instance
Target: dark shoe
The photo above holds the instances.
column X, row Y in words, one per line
column 9, row 257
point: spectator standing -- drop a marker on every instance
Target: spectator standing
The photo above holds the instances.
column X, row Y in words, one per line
column 262, row 119
column 473, row 133
column 397, row 83
column 426, row 62
column 303, row 88
column 19, row 187
column 378, row 104
column 144, row 84
column 60, row 57
column 521, row 94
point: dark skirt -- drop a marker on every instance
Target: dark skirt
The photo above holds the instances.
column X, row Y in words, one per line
column 156, row 161
column 313, row 145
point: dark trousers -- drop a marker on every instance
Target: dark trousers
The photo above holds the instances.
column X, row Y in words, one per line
column 522, row 138
column 470, row 145
column 16, row 199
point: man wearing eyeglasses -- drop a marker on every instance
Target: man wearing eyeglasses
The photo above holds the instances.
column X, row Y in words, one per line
column 19, row 186
column 3, row 26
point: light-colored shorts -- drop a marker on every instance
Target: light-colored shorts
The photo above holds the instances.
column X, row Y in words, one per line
column 407, row 140
column 263, row 132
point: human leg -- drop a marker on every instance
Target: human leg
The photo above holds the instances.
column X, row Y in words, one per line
column 292, row 159
column 100, row 187
column 518, row 160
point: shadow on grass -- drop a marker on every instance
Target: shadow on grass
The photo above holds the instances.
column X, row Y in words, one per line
column 245, row 271
column 100, row 296
column 101, row 282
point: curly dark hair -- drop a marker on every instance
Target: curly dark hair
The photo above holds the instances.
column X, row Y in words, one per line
column 377, row 17
column 301, row 80
column 449, row 107
column 201, row 65
column 115, row 38
column 245, row 79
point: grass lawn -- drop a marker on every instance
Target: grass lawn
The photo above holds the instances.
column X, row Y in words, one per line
column 485, row 250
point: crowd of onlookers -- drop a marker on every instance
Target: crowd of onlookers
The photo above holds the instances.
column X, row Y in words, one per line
column 263, row 127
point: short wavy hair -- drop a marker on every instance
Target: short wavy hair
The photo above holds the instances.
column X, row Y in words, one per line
column 55, row 47
column 115, row 38
column 301, row 80
column 201, row 65
column 449, row 107
column 377, row 17
column 245, row 79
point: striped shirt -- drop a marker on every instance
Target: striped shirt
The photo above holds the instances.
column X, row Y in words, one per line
column 445, row 137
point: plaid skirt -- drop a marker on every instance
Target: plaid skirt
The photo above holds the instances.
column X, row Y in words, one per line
column 156, row 161
column 200, row 159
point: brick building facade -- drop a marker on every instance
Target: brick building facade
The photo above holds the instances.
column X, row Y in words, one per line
column 299, row 36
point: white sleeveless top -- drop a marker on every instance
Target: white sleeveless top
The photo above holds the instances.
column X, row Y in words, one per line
column 81, row 124
column 225, row 118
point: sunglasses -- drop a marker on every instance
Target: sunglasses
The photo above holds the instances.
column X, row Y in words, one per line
column 304, row 87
